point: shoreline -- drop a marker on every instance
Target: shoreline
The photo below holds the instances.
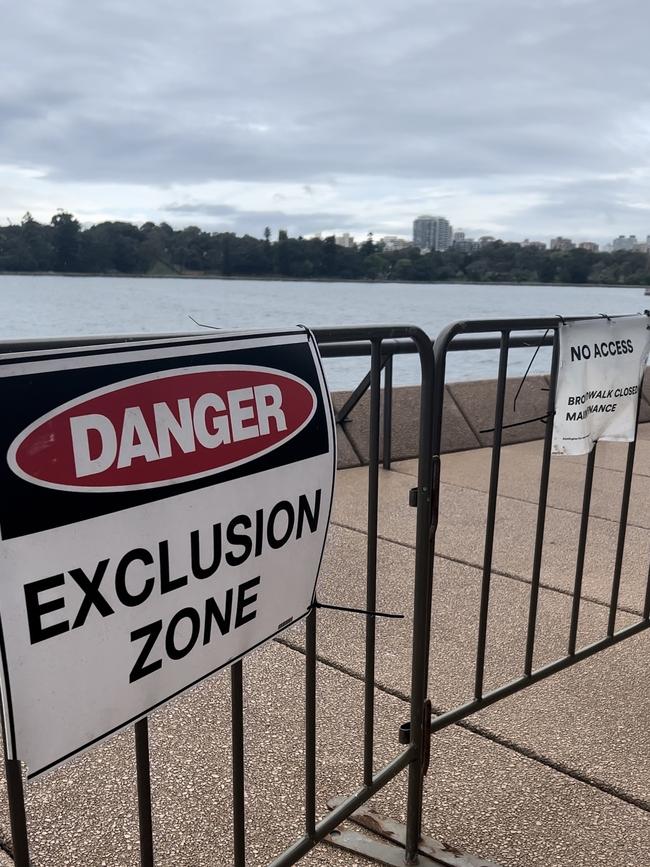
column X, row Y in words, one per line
column 277, row 279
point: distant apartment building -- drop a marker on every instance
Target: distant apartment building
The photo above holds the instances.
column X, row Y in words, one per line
column 589, row 246
column 561, row 243
column 344, row 240
column 624, row 243
column 394, row 242
column 432, row 233
column 464, row 244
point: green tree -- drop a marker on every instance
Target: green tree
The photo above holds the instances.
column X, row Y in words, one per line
column 65, row 239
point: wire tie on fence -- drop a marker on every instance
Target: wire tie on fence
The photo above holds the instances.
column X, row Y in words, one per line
column 605, row 316
column 521, row 384
column 543, row 418
column 349, row 610
column 203, row 324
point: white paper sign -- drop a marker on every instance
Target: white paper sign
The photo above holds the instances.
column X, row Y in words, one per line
column 602, row 362
column 164, row 510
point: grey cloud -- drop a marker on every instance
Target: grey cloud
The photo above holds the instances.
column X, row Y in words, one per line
column 204, row 210
column 308, row 91
column 227, row 218
column 594, row 208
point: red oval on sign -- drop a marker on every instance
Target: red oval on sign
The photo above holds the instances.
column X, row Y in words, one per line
column 163, row 428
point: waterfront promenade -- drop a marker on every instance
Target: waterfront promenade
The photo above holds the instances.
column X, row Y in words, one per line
column 556, row 776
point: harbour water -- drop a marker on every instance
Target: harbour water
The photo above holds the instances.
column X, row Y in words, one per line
column 42, row 306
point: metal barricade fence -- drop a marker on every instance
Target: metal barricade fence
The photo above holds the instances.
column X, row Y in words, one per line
column 382, row 343
column 475, row 335
column 503, row 336
column 379, row 342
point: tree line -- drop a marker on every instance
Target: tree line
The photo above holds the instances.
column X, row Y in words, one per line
column 114, row 247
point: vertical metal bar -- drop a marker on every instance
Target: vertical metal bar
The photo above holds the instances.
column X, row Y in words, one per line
column 143, row 771
column 310, row 725
column 431, row 406
column 491, row 514
column 238, row 807
column 582, row 547
column 646, row 607
column 388, row 411
column 541, row 509
column 622, row 530
column 17, row 813
column 371, row 563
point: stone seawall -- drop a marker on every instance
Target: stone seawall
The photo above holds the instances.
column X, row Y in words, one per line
column 467, row 419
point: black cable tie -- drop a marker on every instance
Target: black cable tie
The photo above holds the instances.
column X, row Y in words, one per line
column 349, row 610
column 543, row 418
column 605, row 316
column 203, row 324
column 561, row 318
column 521, row 384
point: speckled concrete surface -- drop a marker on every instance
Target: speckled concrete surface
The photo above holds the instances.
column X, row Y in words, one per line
column 520, row 471
column 461, row 534
column 557, row 776
column 608, row 455
column 476, row 401
column 479, row 795
column 587, row 710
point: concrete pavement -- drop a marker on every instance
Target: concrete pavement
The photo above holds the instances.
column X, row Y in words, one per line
column 556, row 776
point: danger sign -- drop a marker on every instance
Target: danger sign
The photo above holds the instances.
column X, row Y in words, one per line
column 164, row 511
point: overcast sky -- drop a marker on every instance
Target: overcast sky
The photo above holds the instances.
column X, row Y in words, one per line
column 519, row 118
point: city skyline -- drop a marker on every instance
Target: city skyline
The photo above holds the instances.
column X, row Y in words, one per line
column 455, row 236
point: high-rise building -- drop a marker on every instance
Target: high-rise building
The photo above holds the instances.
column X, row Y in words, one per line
column 623, row 243
column 463, row 244
column 562, row 244
column 432, row 233
column 394, row 242
column 589, row 246
column 344, row 240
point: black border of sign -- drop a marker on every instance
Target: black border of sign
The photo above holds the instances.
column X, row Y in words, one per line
column 33, row 356
column 332, row 436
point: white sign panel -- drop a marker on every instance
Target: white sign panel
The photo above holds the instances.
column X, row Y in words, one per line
column 164, row 510
column 602, row 362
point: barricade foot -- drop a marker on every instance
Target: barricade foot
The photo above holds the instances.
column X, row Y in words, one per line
column 432, row 853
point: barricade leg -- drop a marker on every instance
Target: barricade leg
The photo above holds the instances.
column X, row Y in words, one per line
column 17, row 814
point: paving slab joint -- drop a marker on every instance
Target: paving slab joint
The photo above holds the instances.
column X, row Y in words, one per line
column 559, row 767
column 626, row 609
column 464, row 416
column 486, row 733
